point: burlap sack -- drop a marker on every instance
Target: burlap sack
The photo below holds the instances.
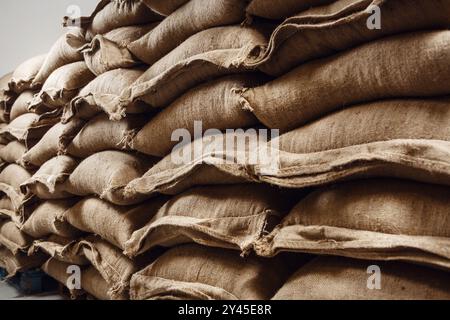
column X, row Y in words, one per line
column 49, row 218
column 24, row 75
column 322, row 31
column 369, row 219
column 164, row 7
column 232, row 217
column 61, row 271
column 193, row 272
column 12, row 238
column 204, row 56
column 193, row 17
column 113, row 223
column 3, row 140
column 298, row 97
column 20, row 106
column 60, row 54
column 106, row 174
column 94, row 284
column 28, row 128
column 112, row 265
column 212, row 160
column 222, row 112
column 109, row 51
column 14, row 175
column 48, row 182
column 61, row 249
column 12, row 204
column 107, row 86
column 19, row 262
column 377, row 121
column 332, row 278
column 6, row 97
column 277, row 9
column 101, row 134
column 13, row 151
column 113, row 14
column 61, row 87
column 54, row 140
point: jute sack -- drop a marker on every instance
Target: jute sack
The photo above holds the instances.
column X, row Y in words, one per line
column 107, row 86
column 54, row 140
column 113, row 14
column 335, row 278
column 48, row 182
column 19, row 262
column 101, row 134
column 12, row 238
column 212, row 103
column 106, row 174
column 113, row 266
column 297, row 97
column 3, row 140
column 207, row 55
column 107, row 52
column 323, row 31
column 61, row 249
column 61, row 87
column 13, row 151
column 193, row 17
column 369, row 219
column 278, row 10
column 113, row 223
column 12, row 204
column 60, row 271
column 218, row 159
column 60, row 54
column 14, row 175
column 370, row 122
column 164, row 7
column 24, row 75
column 232, row 217
column 94, row 284
column 20, row 105
column 28, row 128
column 6, row 97
column 193, row 272
column 49, row 218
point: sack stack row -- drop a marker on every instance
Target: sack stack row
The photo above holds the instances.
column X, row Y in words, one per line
column 93, row 174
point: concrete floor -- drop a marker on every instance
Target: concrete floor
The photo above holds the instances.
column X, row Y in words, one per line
column 9, row 292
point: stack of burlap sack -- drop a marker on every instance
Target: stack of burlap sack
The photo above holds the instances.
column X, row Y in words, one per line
column 91, row 172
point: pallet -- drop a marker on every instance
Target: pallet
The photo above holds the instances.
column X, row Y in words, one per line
column 31, row 282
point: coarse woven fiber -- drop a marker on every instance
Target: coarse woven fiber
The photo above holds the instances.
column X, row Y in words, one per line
column 109, row 51
column 12, row 238
column 101, row 134
column 105, row 87
column 49, row 218
column 48, row 181
column 113, row 223
column 164, row 7
column 231, row 217
column 343, row 24
column 20, row 105
column 58, row 270
column 193, row 272
column 379, row 219
column 106, row 174
column 24, row 75
column 204, row 56
column 281, row 9
column 50, row 145
column 335, row 278
column 61, row 87
column 310, row 91
column 213, row 103
column 193, row 17
column 13, row 151
column 59, row 55
column 19, row 262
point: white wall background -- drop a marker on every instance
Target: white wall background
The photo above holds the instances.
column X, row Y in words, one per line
column 30, row 27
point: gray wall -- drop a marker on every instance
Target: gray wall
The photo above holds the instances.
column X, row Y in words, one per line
column 29, row 27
